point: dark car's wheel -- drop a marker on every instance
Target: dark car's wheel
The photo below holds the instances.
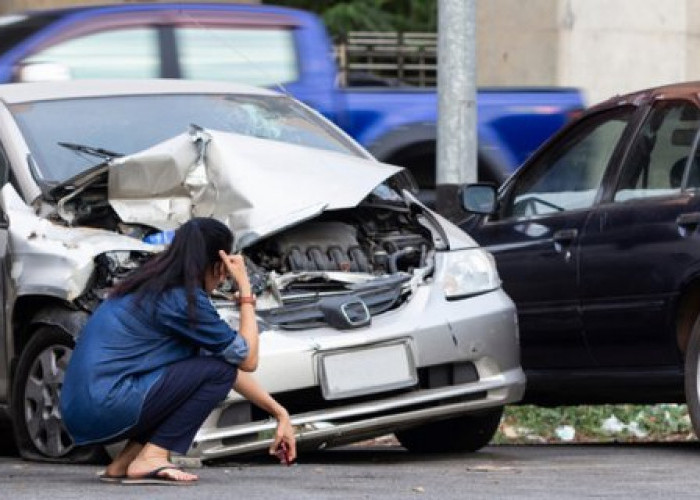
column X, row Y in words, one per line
column 467, row 433
column 692, row 377
column 36, row 391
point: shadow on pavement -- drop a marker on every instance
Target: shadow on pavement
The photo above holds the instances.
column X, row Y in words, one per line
column 363, row 455
column 493, row 454
column 7, row 440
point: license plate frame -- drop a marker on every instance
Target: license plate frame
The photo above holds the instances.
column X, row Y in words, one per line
column 349, row 372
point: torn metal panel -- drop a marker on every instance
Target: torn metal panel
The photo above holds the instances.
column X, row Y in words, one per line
column 55, row 260
column 255, row 186
column 149, row 187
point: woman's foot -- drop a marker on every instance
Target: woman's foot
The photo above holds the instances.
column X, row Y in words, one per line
column 165, row 471
column 152, row 462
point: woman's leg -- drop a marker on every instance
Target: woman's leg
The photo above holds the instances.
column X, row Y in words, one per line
column 174, row 410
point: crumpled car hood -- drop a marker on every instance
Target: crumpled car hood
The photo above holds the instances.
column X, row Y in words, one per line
column 255, row 186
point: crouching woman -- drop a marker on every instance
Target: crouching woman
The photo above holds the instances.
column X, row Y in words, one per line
column 138, row 372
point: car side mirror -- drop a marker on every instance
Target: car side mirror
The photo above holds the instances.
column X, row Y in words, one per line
column 478, row 198
column 42, row 72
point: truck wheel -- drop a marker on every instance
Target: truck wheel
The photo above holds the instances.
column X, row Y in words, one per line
column 692, row 377
column 35, row 407
column 467, row 433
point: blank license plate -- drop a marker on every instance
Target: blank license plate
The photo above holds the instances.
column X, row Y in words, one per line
column 367, row 371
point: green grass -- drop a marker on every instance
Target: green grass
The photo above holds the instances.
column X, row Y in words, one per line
column 603, row 423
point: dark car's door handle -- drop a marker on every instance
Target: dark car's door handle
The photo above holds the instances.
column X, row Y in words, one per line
column 689, row 219
column 565, row 235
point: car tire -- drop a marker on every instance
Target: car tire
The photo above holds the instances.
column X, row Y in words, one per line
column 692, row 377
column 36, row 415
column 468, row 433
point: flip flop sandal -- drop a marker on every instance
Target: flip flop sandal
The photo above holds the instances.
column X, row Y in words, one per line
column 155, row 477
column 107, row 478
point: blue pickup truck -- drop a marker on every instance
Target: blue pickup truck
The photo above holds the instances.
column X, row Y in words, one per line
column 276, row 47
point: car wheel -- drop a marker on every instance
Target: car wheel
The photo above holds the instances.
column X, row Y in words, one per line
column 692, row 377
column 36, row 414
column 467, row 433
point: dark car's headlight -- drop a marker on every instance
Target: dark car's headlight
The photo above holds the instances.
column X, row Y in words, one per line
column 469, row 272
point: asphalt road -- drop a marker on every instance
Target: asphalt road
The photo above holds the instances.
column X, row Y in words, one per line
column 653, row 470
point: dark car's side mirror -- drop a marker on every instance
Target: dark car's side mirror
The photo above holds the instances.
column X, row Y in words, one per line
column 478, row 198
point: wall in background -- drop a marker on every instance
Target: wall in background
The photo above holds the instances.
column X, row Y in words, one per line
column 604, row 47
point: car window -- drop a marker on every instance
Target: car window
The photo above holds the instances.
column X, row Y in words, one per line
column 263, row 56
column 567, row 177
column 122, row 53
column 16, row 28
column 659, row 157
column 4, row 166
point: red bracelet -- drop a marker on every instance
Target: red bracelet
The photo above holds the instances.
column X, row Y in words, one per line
column 246, row 299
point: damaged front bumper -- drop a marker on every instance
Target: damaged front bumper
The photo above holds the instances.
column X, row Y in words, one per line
column 347, row 424
column 464, row 352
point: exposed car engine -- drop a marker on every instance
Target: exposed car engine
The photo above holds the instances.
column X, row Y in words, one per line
column 302, row 275
column 366, row 240
column 305, row 275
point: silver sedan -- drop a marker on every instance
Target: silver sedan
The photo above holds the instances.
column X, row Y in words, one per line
column 377, row 315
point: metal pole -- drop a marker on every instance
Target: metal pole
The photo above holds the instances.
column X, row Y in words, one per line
column 456, row 132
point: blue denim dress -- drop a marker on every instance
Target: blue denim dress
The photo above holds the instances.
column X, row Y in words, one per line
column 124, row 349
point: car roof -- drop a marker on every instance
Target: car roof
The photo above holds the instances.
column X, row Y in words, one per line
column 135, row 7
column 683, row 90
column 13, row 93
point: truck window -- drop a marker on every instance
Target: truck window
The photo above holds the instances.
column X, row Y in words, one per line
column 255, row 56
column 18, row 27
column 121, row 53
column 5, row 172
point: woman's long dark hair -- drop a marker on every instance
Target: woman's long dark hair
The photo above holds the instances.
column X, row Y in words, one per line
column 193, row 251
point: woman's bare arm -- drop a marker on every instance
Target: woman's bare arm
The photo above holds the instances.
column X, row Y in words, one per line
column 248, row 387
column 248, row 328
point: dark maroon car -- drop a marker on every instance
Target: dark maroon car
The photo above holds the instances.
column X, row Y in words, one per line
column 597, row 241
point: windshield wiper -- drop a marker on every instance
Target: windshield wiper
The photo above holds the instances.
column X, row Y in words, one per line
column 82, row 148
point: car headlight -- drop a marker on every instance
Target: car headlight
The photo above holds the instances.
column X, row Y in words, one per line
column 469, row 272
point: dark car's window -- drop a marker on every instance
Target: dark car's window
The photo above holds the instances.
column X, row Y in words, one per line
column 659, row 158
column 128, row 124
column 122, row 53
column 256, row 56
column 569, row 175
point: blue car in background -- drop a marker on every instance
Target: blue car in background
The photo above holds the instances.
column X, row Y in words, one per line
column 275, row 47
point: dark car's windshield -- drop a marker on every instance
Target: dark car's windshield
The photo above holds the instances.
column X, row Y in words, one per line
column 128, row 124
